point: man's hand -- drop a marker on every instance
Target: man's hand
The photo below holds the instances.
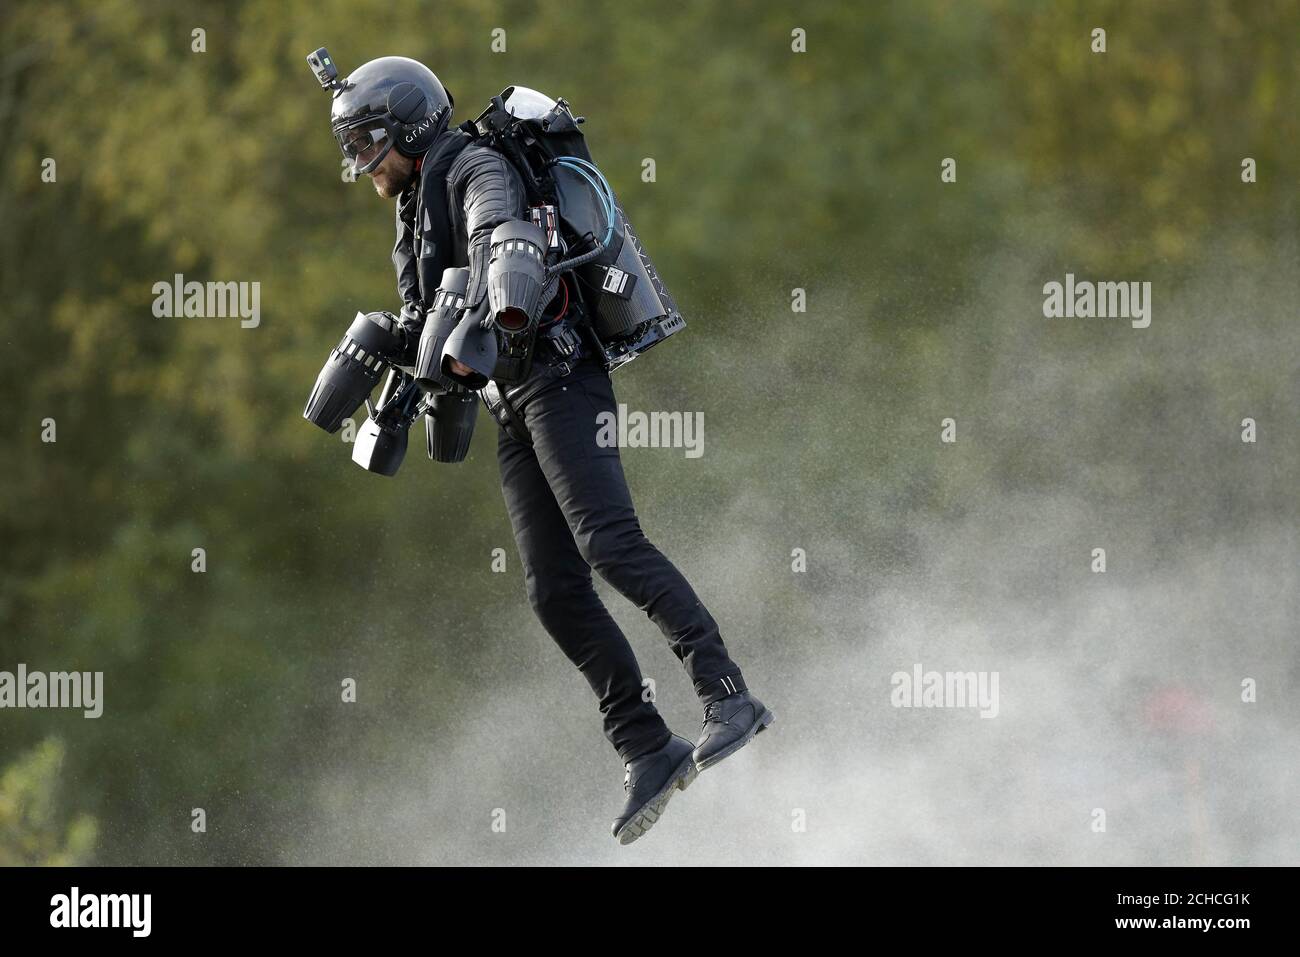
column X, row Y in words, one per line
column 411, row 322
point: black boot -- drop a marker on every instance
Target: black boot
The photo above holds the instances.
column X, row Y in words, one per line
column 729, row 724
column 650, row 782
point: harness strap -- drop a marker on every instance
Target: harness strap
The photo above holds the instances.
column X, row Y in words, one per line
column 506, row 415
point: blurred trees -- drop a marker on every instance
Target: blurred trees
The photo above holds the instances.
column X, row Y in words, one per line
column 774, row 170
column 33, row 827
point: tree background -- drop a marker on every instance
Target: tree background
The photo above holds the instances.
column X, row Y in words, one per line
column 775, row 170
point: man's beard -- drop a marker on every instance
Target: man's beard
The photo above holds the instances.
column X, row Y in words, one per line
column 386, row 188
column 393, row 176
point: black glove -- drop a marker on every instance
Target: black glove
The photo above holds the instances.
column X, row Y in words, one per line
column 411, row 323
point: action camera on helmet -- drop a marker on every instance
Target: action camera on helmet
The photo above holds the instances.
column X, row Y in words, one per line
column 391, row 102
column 322, row 64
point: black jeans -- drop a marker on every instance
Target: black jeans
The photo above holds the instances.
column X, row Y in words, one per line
column 571, row 511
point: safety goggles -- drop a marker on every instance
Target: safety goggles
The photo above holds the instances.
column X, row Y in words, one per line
column 364, row 144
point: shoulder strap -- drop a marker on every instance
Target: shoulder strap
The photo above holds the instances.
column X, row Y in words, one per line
column 435, row 229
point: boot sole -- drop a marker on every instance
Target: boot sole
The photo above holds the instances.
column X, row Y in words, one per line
column 757, row 727
column 653, row 809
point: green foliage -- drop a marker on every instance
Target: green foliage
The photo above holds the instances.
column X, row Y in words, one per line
column 775, row 170
column 32, row 831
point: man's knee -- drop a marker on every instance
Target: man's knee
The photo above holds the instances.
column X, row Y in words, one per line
column 546, row 599
column 614, row 545
column 556, row 600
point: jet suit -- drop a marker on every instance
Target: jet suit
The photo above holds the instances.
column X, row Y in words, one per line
column 567, row 496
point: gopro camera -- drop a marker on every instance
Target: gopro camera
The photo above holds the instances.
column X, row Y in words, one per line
column 322, row 64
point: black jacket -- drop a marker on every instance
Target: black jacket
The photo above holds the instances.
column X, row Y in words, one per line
column 445, row 218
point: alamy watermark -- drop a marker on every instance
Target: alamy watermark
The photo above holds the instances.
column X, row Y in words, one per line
column 208, row 300
column 947, row 689
column 651, row 430
column 55, row 689
column 75, row 909
column 1098, row 300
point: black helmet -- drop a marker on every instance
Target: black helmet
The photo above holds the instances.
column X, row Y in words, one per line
column 392, row 101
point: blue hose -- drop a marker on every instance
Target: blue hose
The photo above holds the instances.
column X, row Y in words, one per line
column 602, row 189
